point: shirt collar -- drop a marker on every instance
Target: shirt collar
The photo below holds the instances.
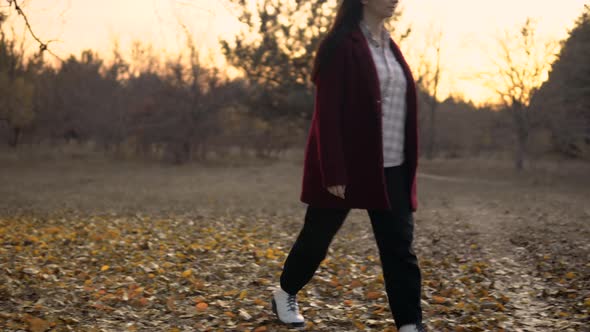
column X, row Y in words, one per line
column 367, row 33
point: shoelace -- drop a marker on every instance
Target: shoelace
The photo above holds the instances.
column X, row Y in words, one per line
column 292, row 303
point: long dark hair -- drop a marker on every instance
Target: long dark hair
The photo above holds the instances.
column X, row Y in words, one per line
column 350, row 13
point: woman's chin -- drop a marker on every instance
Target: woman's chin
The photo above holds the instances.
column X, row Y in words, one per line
column 388, row 13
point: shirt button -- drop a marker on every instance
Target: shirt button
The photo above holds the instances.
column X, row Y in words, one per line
column 378, row 101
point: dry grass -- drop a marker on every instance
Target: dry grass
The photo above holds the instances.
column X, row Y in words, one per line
column 96, row 184
column 80, row 178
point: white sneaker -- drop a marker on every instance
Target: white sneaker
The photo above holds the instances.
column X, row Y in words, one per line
column 285, row 306
column 413, row 328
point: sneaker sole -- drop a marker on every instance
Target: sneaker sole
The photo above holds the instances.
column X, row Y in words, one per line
column 274, row 309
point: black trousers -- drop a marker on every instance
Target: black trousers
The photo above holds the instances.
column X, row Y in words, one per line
column 393, row 230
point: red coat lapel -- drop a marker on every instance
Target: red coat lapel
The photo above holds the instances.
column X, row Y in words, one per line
column 367, row 68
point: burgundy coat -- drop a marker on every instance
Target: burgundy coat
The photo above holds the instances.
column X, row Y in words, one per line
column 344, row 145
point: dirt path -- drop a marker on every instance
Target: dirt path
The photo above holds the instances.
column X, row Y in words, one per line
column 504, row 219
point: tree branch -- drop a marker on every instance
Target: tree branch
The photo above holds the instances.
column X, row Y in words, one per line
column 43, row 47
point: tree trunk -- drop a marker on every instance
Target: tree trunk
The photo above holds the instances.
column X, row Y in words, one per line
column 432, row 137
column 522, row 133
column 16, row 133
column 520, row 155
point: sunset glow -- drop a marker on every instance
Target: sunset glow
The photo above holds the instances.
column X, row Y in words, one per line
column 469, row 29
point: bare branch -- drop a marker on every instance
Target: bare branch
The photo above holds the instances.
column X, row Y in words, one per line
column 43, row 47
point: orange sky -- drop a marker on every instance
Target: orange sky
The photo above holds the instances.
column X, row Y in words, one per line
column 469, row 28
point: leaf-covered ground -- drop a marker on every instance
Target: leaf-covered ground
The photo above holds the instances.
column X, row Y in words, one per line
column 122, row 247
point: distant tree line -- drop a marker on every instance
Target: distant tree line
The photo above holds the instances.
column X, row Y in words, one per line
column 177, row 109
column 564, row 99
column 183, row 110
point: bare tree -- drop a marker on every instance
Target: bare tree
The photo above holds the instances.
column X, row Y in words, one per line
column 16, row 89
column 429, row 76
column 276, row 50
column 523, row 67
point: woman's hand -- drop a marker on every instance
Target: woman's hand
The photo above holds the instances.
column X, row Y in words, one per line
column 337, row 190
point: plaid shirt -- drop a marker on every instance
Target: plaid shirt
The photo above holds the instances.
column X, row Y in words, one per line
column 392, row 81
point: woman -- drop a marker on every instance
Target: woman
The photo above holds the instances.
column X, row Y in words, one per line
column 361, row 153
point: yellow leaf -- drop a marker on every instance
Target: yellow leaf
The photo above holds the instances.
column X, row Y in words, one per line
column 243, row 294
column 230, row 292
column 38, row 324
column 103, row 307
column 143, row 301
column 170, row 304
column 270, row 254
column 439, row 299
column 373, row 295
column 201, row 306
column 334, row 281
column 33, row 238
column 356, row 283
column 379, row 310
column 104, row 267
column 570, row 275
column 359, row 325
column 187, row 273
column 504, row 298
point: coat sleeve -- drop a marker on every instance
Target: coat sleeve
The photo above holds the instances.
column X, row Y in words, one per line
column 329, row 104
